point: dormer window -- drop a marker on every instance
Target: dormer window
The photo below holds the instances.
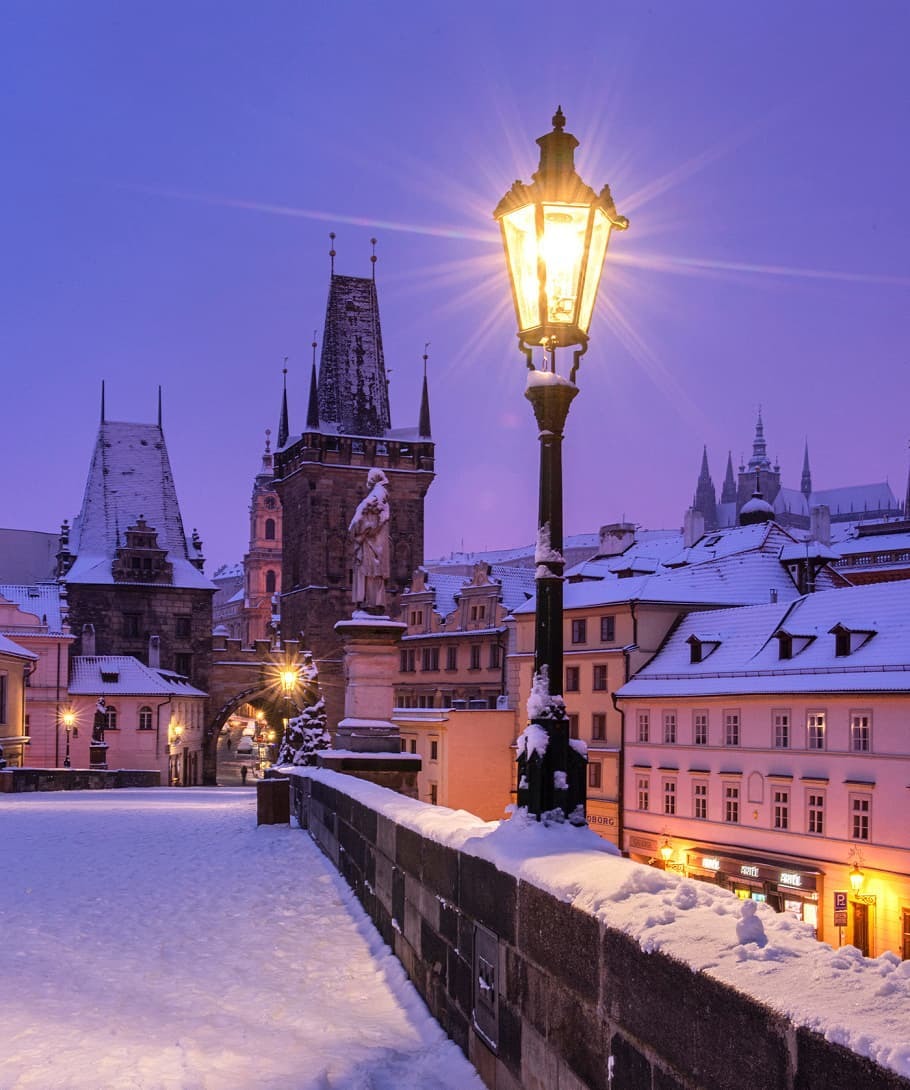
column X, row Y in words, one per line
column 700, row 647
column 791, row 643
column 849, row 638
column 785, row 646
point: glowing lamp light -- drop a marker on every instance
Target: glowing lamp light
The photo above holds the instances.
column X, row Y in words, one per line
column 666, row 850
column 555, row 232
column 178, row 732
column 288, row 680
column 857, row 878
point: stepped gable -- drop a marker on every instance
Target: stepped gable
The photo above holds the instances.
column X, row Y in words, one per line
column 130, row 479
column 353, row 391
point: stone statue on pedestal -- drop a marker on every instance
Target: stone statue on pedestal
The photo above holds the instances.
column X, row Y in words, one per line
column 370, row 530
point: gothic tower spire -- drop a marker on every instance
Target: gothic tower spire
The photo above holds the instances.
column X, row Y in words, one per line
column 728, row 493
column 806, row 483
column 283, row 427
column 423, row 429
column 312, row 409
column 705, row 496
column 759, row 459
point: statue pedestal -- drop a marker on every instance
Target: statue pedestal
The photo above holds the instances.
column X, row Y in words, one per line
column 367, row 743
column 97, row 754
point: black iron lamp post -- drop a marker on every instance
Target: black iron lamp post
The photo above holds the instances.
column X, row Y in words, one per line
column 555, row 232
column 289, row 677
column 68, row 719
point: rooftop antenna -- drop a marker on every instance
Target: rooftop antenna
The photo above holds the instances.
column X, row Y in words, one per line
column 102, row 401
column 425, row 357
column 332, row 251
column 373, row 258
column 159, row 408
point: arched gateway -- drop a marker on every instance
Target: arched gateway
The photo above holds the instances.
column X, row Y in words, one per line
column 241, row 675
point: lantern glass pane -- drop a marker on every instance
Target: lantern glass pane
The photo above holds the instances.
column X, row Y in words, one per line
column 600, row 236
column 563, row 246
column 520, row 235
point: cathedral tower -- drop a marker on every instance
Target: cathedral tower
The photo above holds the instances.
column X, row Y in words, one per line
column 262, row 564
column 705, row 496
column 759, row 475
column 320, row 478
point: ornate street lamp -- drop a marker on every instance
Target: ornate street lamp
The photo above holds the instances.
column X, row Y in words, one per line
column 289, row 677
column 68, row 719
column 555, row 232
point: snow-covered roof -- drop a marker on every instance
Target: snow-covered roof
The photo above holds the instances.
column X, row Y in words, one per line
column 129, row 477
column 40, row 599
column 8, row 647
column 748, row 659
column 123, row 675
column 856, row 498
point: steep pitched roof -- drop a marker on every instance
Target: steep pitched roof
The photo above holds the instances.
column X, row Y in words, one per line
column 123, row 675
column 42, row 600
column 130, row 476
column 747, row 659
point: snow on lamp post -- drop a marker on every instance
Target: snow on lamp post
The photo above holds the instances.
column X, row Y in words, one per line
column 555, row 232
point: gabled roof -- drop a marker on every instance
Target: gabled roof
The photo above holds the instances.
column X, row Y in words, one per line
column 856, row 499
column 130, row 476
column 748, row 660
column 123, row 675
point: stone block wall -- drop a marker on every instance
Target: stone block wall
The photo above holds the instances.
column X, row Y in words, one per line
column 563, row 1002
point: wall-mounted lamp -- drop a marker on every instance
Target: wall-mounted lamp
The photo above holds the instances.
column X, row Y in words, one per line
column 857, row 878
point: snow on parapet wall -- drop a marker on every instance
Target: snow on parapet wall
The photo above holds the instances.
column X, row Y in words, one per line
column 860, row 1003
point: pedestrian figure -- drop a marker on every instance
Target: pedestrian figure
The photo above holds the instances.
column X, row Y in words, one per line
column 243, row 775
column 229, row 743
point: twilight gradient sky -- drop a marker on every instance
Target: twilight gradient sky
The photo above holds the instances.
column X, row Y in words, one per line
column 171, row 171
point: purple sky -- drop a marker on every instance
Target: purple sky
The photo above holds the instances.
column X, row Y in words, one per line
column 171, row 172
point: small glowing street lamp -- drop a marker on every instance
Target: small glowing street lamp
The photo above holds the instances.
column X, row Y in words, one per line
column 857, row 878
column 666, row 850
column 289, row 677
column 555, row 232
column 68, row 719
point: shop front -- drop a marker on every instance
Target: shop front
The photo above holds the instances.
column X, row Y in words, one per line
column 795, row 888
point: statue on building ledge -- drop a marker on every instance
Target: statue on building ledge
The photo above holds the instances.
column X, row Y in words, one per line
column 370, row 531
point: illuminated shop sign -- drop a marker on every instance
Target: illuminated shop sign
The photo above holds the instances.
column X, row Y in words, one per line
column 789, row 879
column 709, row 862
column 747, row 870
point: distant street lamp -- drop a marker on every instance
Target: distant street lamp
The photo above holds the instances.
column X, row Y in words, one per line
column 555, row 232
column 68, row 719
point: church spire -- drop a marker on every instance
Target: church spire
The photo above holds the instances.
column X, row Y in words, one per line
column 759, row 459
column 705, row 497
column 728, row 492
column 423, row 429
column 283, row 427
column 312, row 410
column 806, row 483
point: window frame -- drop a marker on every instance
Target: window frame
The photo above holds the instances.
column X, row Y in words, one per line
column 145, row 714
column 732, row 727
column 815, row 811
column 860, row 817
column 780, row 729
column 700, row 729
column 816, row 732
column 643, row 792
column 598, row 726
column 643, row 727
column 863, row 734
column 732, row 802
column 573, row 679
column 700, row 800
column 600, row 680
column 670, row 726
column 668, row 796
column 608, row 628
column 780, row 808
column 595, row 775
column 579, row 630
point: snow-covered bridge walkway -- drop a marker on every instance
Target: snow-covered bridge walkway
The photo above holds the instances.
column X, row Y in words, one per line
column 157, row 940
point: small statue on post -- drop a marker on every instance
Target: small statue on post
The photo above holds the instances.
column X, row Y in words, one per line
column 370, row 530
column 98, row 747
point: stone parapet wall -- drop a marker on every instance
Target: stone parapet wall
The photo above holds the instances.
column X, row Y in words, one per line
column 542, row 996
column 16, row 780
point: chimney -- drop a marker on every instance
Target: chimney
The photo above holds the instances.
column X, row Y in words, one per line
column 820, row 524
column 88, row 640
column 155, row 652
column 693, row 527
column 773, row 595
column 615, row 538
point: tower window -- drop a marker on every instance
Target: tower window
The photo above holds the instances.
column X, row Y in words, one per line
column 269, row 529
column 270, row 582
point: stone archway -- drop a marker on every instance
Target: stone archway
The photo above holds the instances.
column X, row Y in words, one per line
column 239, row 675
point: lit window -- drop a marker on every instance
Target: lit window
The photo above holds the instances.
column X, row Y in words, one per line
column 669, row 728
column 815, row 725
column 731, row 728
column 860, row 732
column 700, row 728
column 700, row 801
